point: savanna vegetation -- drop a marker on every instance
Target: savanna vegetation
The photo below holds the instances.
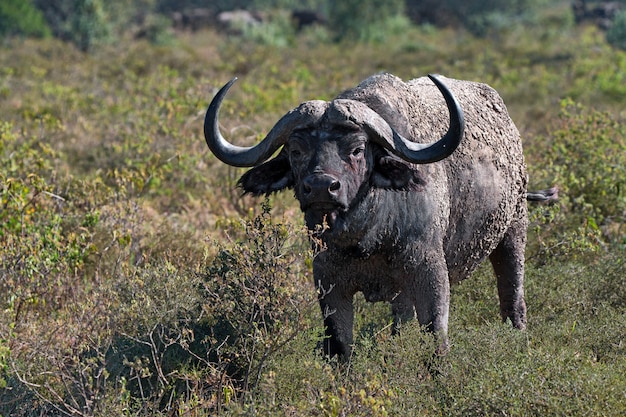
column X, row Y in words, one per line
column 136, row 280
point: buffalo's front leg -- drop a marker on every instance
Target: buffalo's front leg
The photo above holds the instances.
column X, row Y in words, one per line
column 403, row 310
column 431, row 294
column 338, row 314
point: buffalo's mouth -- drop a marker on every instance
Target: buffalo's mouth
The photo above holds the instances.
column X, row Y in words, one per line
column 324, row 214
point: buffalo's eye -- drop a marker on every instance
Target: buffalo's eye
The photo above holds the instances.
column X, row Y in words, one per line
column 295, row 153
column 358, row 151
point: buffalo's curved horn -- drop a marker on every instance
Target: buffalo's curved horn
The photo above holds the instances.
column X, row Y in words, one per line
column 304, row 115
column 383, row 134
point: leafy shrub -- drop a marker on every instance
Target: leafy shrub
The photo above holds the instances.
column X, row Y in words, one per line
column 278, row 30
column 256, row 298
column 20, row 17
column 45, row 246
column 495, row 17
column 586, row 157
column 156, row 29
column 153, row 336
column 217, row 5
column 363, row 21
column 40, row 243
column 616, row 35
column 82, row 22
column 478, row 17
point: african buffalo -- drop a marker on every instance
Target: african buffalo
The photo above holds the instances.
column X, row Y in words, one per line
column 401, row 216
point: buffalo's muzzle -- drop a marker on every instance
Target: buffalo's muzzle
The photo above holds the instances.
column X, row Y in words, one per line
column 320, row 188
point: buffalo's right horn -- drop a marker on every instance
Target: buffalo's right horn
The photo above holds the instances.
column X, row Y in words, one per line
column 304, row 115
column 346, row 110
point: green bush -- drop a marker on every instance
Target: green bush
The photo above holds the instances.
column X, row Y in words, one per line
column 256, row 297
column 46, row 246
column 616, row 35
column 478, row 17
column 20, row 17
column 82, row 22
column 41, row 241
column 586, row 157
column 278, row 30
column 483, row 18
column 354, row 20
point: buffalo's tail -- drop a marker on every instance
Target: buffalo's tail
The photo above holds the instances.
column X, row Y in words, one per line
column 543, row 196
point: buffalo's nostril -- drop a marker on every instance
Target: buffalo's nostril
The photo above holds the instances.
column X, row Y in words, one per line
column 320, row 187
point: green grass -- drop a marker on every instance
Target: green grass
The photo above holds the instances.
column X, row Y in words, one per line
column 136, row 280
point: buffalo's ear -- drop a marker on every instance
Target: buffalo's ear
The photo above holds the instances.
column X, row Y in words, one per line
column 395, row 174
column 274, row 175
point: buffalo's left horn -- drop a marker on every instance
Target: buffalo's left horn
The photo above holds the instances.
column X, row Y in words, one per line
column 304, row 115
column 383, row 134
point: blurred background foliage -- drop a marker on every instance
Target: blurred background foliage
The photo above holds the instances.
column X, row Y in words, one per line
column 135, row 279
column 21, row 18
column 88, row 23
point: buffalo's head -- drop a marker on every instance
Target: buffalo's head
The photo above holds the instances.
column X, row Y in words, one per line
column 332, row 152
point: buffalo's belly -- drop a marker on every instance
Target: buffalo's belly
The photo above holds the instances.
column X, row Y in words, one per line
column 466, row 249
column 378, row 277
column 481, row 211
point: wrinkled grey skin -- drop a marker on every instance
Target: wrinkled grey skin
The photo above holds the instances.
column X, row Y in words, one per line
column 401, row 232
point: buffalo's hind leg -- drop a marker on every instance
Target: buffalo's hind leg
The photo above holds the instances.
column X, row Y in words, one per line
column 508, row 263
